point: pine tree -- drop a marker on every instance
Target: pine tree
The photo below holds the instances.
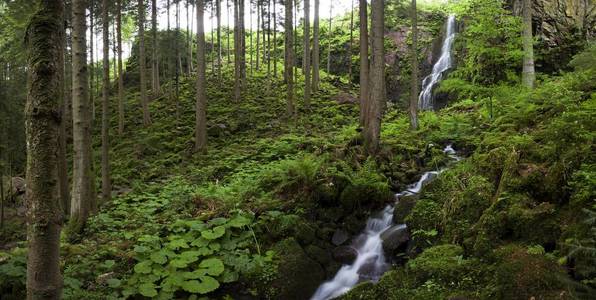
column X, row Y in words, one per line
column 201, row 100
column 377, row 78
column 289, row 58
column 414, row 66
column 142, row 67
column 529, row 74
column 306, row 56
column 106, row 182
column 364, row 63
column 44, row 216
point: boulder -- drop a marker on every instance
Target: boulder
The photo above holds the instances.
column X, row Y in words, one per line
column 298, row 276
column 345, row 254
column 394, row 237
column 403, row 207
column 340, row 236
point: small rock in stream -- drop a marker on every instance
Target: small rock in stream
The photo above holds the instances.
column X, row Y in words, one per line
column 394, row 237
column 339, row 237
column 345, row 254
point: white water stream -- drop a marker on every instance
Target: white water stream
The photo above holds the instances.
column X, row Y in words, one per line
column 425, row 100
column 370, row 264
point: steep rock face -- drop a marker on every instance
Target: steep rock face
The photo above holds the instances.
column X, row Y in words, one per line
column 562, row 28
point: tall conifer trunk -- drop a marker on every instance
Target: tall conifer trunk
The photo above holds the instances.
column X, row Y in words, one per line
column 142, row 63
column 414, row 66
column 44, row 216
column 106, row 182
column 289, row 59
column 377, row 81
column 120, row 73
column 316, row 50
column 364, row 63
column 154, row 58
column 306, row 56
column 201, row 100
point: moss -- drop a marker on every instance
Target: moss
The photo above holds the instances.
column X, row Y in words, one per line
column 520, row 275
column 443, row 263
column 298, row 275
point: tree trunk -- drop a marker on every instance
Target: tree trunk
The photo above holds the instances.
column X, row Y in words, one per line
column 83, row 194
column 92, row 64
column 414, row 66
column 306, row 59
column 289, row 58
column 176, row 60
column 268, row 42
column 377, row 80
column 329, row 35
column 315, row 50
column 142, row 62
column 364, row 63
column 228, row 29
column 120, row 73
column 154, row 58
column 351, row 47
column 218, row 12
column 189, row 63
column 237, row 55
column 201, row 100
column 62, row 163
column 274, row 38
column 528, row 75
column 106, row 183
column 242, row 45
column 44, row 217
column 258, row 35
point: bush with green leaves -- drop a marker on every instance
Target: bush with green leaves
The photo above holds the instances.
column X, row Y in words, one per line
column 195, row 257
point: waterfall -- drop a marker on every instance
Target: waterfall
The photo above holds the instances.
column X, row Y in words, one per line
column 370, row 263
column 425, row 100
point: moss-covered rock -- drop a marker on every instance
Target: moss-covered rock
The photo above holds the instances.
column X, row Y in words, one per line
column 298, row 275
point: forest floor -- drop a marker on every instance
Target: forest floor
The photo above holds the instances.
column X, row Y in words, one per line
column 254, row 217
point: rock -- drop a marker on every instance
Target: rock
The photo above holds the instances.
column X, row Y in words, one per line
column 345, row 254
column 345, row 98
column 298, row 276
column 319, row 254
column 340, row 236
column 395, row 237
column 404, row 207
column 217, row 130
column 18, row 185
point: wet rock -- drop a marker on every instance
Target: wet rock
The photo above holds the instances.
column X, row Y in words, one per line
column 395, row 237
column 345, row 254
column 319, row 254
column 404, row 207
column 298, row 275
column 340, row 236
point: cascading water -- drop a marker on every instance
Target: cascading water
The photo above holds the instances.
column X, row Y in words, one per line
column 370, row 263
column 425, row 100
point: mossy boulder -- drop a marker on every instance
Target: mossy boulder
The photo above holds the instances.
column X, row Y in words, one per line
column 298, row 275
column 403, row 208
column 520, row 275
column 444, row 264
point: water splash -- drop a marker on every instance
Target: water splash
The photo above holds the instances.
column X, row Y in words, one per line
column 425, row 100
column 370, row 263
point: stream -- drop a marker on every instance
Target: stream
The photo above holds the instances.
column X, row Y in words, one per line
column 370, row 263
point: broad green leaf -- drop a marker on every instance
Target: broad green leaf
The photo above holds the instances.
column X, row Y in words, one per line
column 200, row 242
column 143, row 267
column 213, row 266
column 214, row 233
column 206, row 285
column 109, row 263
column 141, row 249
column 178, row 243
column 229, row 276
column 159, row 257
column 218, row 221
column 113, row 282
column 190, row 256
column 148, row 290
column 239, row 221
column 179, row 263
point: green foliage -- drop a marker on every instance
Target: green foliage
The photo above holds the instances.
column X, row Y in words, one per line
column 195, row 257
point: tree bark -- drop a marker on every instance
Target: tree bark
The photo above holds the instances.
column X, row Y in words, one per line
column 315, row 50
column 329, row 41
column 414, row 66
column 42, row 112
column 219, row 48
column 258, row 36
column 106, row 182
column 274, row 38
column 306, row 59
column 377, row 80
column 201, row 100
column 92, row 57
column 120, row 73
column 154, row 58
column 364, row 63
column 83, row 193
column 237, row 54
column 289, row 59
column 142, row 62
column 351, row 47
column 529, row 74
column 63, row 165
